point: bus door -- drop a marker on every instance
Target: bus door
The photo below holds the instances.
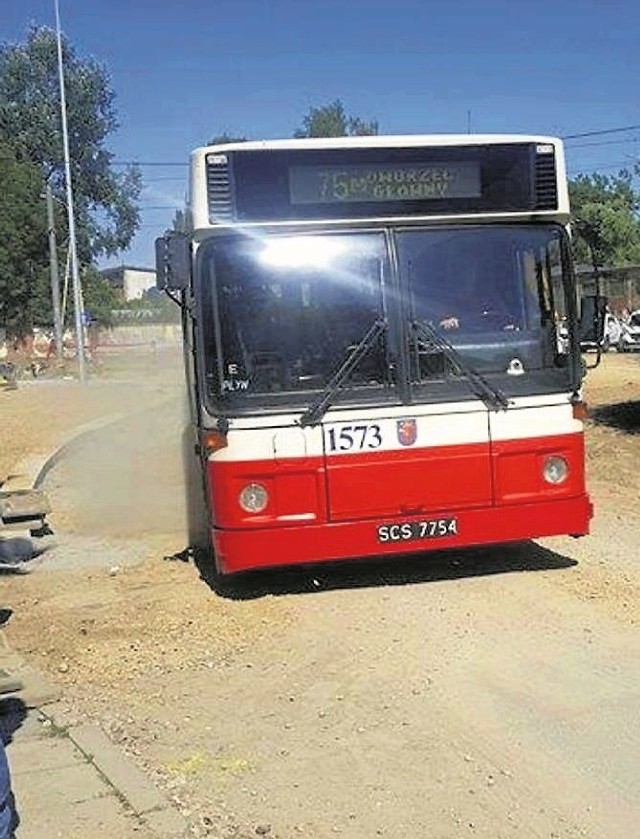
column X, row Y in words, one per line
column 433, row 459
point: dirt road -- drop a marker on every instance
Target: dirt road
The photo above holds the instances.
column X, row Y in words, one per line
column 489, row 693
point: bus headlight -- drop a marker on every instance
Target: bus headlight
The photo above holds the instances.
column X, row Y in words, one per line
column 555, row 470
column 253, row 498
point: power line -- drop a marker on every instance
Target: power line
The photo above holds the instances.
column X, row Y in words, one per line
column 146, row 163
column 164, row 178
column 612, row 164
column 601, row 131
column 604, row 143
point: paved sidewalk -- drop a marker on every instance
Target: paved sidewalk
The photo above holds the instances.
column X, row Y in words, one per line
column 74, row 782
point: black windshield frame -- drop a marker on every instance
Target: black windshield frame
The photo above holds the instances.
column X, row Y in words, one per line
column 556, row 374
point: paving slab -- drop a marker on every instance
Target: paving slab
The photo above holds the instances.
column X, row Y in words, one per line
column 32, row 754
column 76, row 783
column 59, row 793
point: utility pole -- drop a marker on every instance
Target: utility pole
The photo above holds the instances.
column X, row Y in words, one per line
column 55, row 278
column 75, row 273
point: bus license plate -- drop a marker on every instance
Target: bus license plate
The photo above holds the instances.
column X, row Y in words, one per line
column 410, row 531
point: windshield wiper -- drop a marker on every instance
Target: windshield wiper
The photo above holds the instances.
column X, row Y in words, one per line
column 492, row 397
column 315, row 412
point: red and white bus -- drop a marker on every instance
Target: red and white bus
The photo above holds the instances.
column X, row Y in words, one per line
column 372, row 342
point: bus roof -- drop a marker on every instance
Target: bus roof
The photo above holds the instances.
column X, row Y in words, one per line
column 380, row 141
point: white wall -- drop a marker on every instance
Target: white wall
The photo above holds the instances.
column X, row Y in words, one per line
column 136, row 282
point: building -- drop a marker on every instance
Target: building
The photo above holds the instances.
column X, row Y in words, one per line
column 621, row 286
column 132, row 282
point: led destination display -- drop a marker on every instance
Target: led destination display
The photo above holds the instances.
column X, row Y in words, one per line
column 382, row 182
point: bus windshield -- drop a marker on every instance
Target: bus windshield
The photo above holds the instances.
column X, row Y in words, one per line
column 290, row 308
column 282, row 313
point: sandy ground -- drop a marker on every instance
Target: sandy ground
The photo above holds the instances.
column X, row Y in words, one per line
column 488, row 693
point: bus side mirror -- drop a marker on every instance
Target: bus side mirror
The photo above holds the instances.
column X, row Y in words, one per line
column 592, row 318
column 592, row 322
column 173, row 261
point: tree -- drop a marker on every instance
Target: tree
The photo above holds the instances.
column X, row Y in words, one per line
column 23, row 242
column 107, row 216
column 182, row 221
column 332, row 120
column 224, row 138
column 605, row 220
column 100, row 298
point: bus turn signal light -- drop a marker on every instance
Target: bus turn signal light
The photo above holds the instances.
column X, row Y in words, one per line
column 213, row 441
column 580, row 411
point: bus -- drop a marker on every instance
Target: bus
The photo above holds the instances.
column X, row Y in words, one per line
column 372, row 347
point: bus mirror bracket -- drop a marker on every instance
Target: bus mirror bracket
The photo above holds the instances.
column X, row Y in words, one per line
column 173, row 261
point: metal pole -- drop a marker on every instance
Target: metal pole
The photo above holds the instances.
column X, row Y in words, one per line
column 55, row 278
column 75, row 274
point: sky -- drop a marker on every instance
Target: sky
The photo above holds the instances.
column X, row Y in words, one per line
column 184, row 72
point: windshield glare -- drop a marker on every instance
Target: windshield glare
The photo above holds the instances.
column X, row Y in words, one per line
column 291, row 307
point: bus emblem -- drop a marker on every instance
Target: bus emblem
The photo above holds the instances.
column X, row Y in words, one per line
column 407, row 431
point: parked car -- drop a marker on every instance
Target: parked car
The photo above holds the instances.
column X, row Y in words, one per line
column 612, row 331
column 629, row 338
column 562, row 337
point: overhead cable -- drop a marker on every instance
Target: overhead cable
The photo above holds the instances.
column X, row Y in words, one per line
column 601, row 132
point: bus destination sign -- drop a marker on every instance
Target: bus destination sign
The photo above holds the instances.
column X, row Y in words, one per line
column 384, row 182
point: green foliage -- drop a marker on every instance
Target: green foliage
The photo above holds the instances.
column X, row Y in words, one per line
column 152, row 307
column 99, row 296
column 105, row 201
column 605, row 220
column 23, row 242
column 224, row 138
column 331, row 120
column 182, row 221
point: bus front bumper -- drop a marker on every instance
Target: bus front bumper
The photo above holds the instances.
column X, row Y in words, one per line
column 255, row 548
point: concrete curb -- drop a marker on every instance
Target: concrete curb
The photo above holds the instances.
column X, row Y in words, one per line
column 130, row 783
column 33, row 469
column 68, row 441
